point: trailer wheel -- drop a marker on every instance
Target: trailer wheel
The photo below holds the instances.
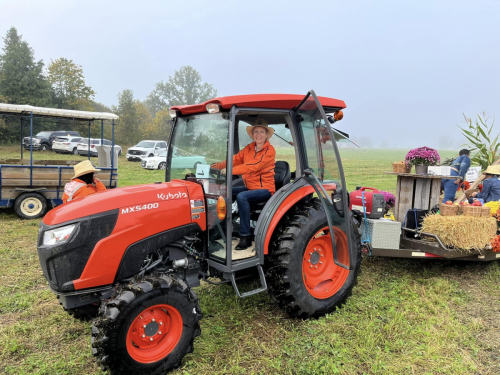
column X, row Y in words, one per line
column 303, row 278
column 147, row 327
column 30, row 206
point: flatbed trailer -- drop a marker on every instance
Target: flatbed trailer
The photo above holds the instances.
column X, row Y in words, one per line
column 421, row 248
column 30, row 186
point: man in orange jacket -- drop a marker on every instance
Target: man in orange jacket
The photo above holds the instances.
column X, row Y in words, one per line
column 83, row 183
column 255, row 163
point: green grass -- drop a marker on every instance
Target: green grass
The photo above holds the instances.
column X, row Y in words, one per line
column 404, row 317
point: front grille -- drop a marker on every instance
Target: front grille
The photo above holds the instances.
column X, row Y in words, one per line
column 135, row 152
column 65, row 263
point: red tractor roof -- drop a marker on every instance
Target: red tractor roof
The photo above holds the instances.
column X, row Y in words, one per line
column 278, row 101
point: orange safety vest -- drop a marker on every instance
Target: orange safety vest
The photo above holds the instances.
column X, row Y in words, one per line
column 256, row 167
column 77, row 189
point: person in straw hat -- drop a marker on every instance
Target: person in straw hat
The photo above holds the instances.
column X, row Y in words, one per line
column 491, row 185
column 83, row 182
column 255, row 163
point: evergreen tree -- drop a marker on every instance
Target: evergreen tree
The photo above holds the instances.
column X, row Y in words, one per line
column 21, row 77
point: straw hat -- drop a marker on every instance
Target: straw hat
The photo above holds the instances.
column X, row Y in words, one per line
column 492, row 169
column 83, row 168
column 260, row 122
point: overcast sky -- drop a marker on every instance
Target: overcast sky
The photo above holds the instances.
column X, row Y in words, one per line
column 406, row 70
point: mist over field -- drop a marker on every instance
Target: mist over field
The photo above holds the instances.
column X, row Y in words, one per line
column 407, row 71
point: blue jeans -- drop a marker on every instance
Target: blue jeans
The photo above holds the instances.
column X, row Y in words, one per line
column 450, row 189
column 245, row 197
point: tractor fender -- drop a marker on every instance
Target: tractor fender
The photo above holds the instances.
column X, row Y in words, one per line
column 276, row 208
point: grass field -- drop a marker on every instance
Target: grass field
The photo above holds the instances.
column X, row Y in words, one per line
column 404, row 317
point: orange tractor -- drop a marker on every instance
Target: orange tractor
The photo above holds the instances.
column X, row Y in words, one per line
column 132, row 255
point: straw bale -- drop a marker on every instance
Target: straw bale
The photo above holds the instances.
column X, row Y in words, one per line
column 461, row 232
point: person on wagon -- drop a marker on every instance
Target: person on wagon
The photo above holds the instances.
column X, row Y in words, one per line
column 83, row 182
column 491, row 185
column 255, row 163
column 459, row 167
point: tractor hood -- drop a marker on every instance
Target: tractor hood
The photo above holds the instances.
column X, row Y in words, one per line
column 127, row 200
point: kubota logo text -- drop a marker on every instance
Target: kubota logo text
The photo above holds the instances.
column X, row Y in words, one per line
column 165, row 197
column 139, row 208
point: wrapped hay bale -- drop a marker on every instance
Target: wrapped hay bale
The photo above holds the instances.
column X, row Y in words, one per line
column 461, row 232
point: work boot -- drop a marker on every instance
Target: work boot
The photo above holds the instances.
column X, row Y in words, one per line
column 245, row 242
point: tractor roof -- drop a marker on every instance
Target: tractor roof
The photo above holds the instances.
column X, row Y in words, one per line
column 278, row 101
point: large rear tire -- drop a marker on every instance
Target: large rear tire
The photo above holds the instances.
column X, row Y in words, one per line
column 302, row 276
column 147, row 327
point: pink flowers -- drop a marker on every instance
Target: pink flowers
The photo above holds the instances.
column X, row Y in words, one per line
column 390, row 200
column 423, row 156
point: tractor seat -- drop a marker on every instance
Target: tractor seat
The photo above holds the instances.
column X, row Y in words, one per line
column 281, row 178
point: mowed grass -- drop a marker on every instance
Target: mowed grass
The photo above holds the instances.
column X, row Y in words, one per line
column 404, row 317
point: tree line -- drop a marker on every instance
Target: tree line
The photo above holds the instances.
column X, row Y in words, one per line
column 23, row 80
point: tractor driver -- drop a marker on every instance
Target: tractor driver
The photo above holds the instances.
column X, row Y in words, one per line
column 83, row 182
column 255, row 163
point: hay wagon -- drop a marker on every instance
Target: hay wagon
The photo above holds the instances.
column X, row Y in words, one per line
column 31, row 186
column 403, row 238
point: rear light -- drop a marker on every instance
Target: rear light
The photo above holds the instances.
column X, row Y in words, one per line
column 92, row 146
column 221, row 208
column 213, row 108
column 172, row 113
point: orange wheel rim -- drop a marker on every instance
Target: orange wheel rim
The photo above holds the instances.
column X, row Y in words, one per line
column 322, row 277
column 154, row 333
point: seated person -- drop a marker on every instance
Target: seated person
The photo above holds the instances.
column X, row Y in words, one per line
column 459, row 167
column 491, row 185
column 255, row 163
column 83, row 182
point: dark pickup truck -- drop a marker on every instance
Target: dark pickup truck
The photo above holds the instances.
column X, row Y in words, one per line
column 43, row 140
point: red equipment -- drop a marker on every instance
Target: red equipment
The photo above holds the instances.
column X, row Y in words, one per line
column 374, row 202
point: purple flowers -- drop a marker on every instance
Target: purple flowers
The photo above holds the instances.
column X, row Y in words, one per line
column 422, row 155
column 390, row 200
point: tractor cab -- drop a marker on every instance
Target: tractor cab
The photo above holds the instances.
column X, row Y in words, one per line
column 307, row 164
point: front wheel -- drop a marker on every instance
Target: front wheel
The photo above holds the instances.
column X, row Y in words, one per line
column 147, row 327
column 30, row 206
column 44, row 147
column 303, row 278
column 162, row 166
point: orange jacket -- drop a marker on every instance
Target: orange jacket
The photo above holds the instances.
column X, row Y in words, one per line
column 256, row 168
column 77, row 189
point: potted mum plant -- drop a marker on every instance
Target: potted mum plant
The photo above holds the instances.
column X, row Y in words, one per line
column 421, row 158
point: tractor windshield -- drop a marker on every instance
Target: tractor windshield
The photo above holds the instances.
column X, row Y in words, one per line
column 197, row 140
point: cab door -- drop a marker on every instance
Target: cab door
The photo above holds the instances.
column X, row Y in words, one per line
column 323, row 167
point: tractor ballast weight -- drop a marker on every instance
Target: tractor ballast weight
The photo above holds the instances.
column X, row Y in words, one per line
column 130, row 257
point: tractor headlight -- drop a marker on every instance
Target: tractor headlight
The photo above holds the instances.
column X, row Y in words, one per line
column 59, row 235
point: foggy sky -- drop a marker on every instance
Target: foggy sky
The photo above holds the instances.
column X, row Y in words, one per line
column 407, row 71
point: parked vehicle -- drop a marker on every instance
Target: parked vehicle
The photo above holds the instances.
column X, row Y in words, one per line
column 83, row 146
column 43, row 140
column 180, row 159
column 66, row 145
column 133, row 255
column 146, row 149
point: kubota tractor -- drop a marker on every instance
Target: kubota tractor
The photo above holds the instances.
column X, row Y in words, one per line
column 132, row 255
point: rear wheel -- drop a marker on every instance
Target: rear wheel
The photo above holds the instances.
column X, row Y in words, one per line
column 147, row 327
column 162, row 165
column 303, row 278
column 75, row 151
column 30, row 205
